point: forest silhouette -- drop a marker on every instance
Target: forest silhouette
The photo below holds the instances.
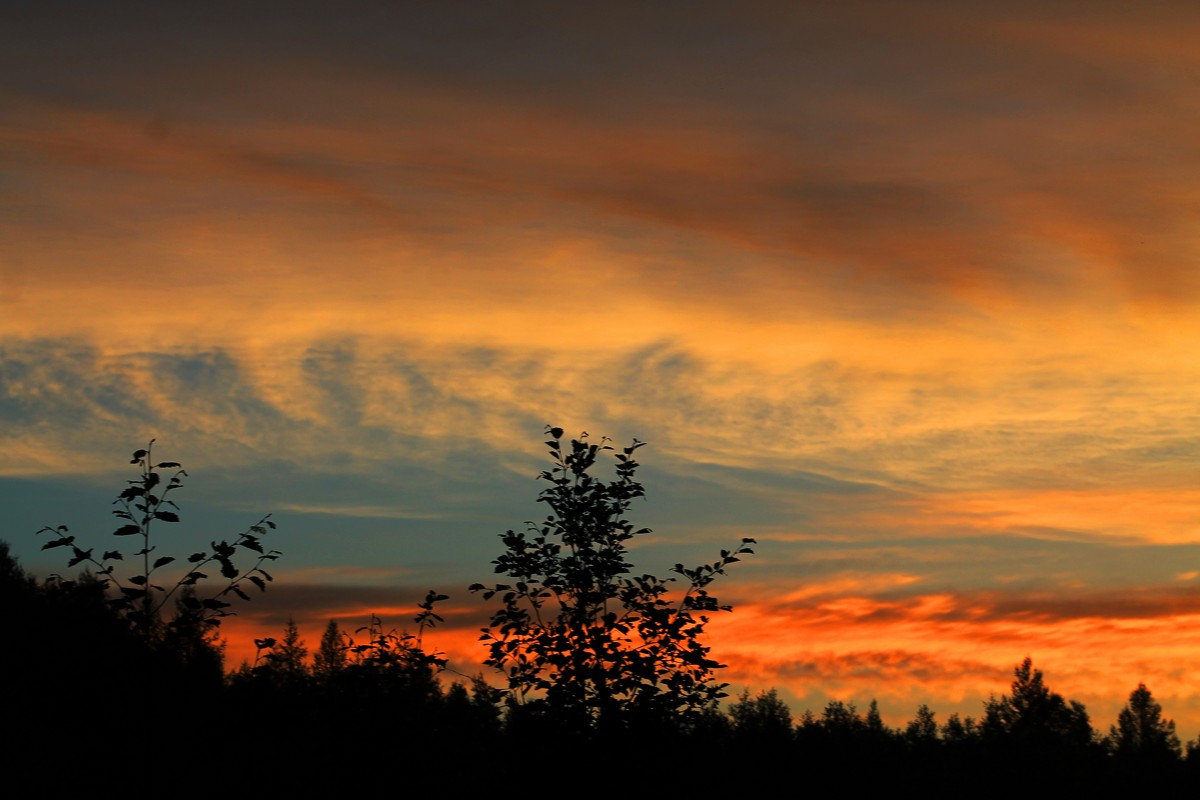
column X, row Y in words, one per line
column 601, row 678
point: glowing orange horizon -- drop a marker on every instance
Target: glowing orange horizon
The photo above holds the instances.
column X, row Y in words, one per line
column 935, row 649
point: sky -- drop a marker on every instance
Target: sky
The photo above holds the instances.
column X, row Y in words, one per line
column 907, row 292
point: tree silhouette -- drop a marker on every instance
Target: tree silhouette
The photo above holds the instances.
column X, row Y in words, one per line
column 1141, row 735
column 959, row 731
column 922, row 730
column 65, row 656
column 763, row 718
column 330, row 657
column 602, row 646
column 875, row 720
column 1049, row 736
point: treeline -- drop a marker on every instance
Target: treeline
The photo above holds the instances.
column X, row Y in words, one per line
column 116, row 681
column 90, row 702
column 1029, row 733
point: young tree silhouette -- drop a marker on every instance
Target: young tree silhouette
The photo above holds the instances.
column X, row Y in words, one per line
column 141, row 507
column 604, row 647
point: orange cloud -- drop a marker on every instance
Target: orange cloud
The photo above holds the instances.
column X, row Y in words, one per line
column 955, row 650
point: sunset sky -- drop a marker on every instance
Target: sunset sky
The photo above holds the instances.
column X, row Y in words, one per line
column 908, row 292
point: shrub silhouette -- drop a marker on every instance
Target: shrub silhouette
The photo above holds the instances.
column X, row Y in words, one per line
column 580, row 637
column 396, row 656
